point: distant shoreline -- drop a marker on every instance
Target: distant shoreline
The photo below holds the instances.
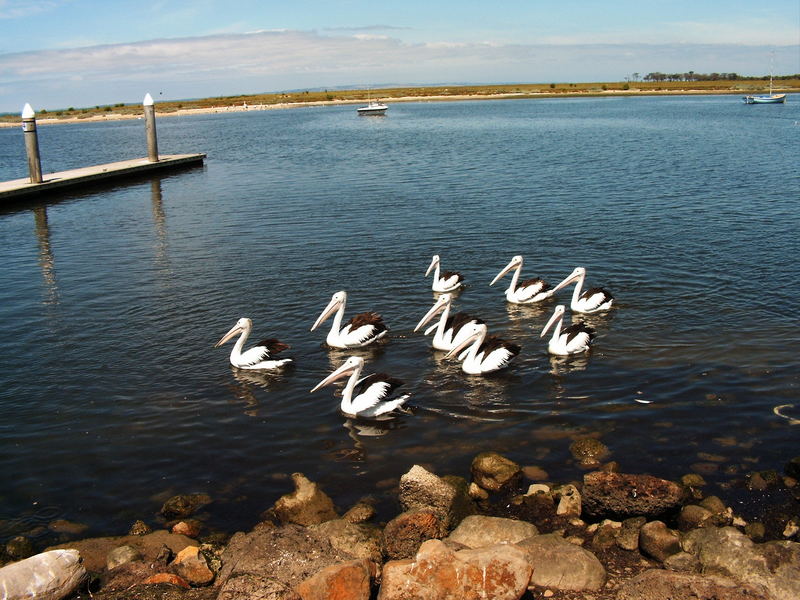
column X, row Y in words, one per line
column 245, row 107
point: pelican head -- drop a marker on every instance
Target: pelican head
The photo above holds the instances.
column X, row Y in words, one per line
column 337, row 300
column 442, row 302
column 477, row 331
column 577, row 275
column 434, row 263
column 242, row 325
column 350, row 366
column 558, row 314
column 515, row 263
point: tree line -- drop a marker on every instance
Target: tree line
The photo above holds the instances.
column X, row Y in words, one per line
column 692, row 76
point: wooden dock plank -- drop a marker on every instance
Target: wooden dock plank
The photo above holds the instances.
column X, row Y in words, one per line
column 19, row 188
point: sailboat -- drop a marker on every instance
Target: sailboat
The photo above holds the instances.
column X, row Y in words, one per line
column 769, row 98
column 373, row 107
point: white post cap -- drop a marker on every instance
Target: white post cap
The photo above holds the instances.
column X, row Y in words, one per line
column 27, row 112
column 148, row 100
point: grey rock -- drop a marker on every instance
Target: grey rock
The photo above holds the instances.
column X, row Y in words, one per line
column 269, row 562
column 357, row 539
column 306, row 505
column 569, row 501
column 774, row 566
column 448, row 498
column 121, row 555
column 561, row 565
column 656, row 584
column 479, row 531
column 692, row 516
column 628, row 534
column 682, row 561
column 658, row 541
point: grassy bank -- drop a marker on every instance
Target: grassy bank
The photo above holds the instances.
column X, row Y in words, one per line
column 536, row 90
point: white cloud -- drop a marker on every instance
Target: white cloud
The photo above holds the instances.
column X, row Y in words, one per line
column 277, row 60
column 17, row 9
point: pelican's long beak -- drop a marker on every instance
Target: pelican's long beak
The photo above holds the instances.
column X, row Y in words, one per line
column 236, row 329
column 557, row 314
column 431, row 266
column 344, row 371
column 505, row 270
column 332, row 307
column 464, row 344
column 443, row 300
column 569, row 279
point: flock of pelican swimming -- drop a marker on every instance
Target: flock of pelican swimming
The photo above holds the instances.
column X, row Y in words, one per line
column 460, row 335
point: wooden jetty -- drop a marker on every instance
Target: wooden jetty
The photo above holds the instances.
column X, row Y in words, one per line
column 23, row 188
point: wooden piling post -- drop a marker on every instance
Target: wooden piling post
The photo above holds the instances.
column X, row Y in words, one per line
column 31, row 144
column 150, row 128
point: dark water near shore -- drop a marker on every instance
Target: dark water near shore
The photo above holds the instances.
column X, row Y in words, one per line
column 112, row 397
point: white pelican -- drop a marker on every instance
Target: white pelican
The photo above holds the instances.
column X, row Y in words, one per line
column 526, row 292
column 361, row 330
column 572, row 340
column 447, row 282
column 485, row 353
column 450, row 331
column 261, row 356
column 592, row 300
column 372, row 399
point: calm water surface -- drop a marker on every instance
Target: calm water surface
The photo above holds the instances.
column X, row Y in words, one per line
column 112, row 396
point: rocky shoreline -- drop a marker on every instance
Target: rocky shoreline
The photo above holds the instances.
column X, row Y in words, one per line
column 504, row 533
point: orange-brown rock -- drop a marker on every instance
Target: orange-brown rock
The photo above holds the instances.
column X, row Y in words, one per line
column 192, row 566
column 170, row 578
column 345, row 581
column 498, row 572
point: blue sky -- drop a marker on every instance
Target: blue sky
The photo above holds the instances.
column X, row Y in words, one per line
column 59, row 53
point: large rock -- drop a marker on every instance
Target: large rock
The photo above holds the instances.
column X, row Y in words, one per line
column 449, row 499
column 493, row 472
column 775, row 566
column 94, row 551
column 345, row 581
column 47, row 576
column 619, row 495
column 307, row 505
column 269, row 562
column 498, row 572
column 657, row 584
column 404, row 534
column 561, row 565
column 479, row 531
column 358, row 539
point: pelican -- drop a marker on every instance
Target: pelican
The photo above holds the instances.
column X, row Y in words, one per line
column 372, row 394
column 592, row 300
column 450, row 331
column 448, row 281
column 572, row 340
column 527, row 292
column 259, row 357
column 361, row 330
column 485, row 353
